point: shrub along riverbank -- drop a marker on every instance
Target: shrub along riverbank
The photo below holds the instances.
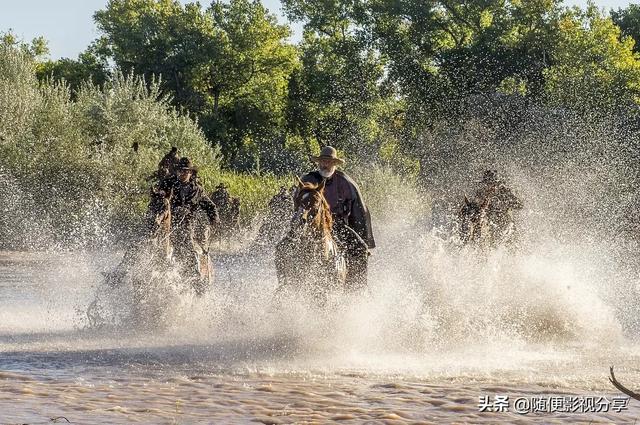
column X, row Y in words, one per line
column 76, row 170
column 70, row 168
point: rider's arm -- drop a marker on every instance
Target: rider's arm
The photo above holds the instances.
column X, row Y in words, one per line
column 210, row 208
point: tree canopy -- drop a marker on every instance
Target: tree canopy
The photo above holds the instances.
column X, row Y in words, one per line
column 369, row 77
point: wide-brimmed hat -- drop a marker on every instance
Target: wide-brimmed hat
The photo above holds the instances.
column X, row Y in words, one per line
column 186, row 164
column 329, row 153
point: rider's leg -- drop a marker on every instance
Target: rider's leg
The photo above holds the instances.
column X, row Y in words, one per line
column 357, row 256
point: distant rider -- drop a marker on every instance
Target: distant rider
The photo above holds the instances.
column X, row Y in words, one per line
column 499, row 202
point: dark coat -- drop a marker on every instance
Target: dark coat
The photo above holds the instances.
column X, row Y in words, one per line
column 347, row 206
column 188, row 198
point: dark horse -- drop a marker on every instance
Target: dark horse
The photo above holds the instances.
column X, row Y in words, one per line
column 472, row 221
column 308, row 258
column 159, row 250
column 488, row 222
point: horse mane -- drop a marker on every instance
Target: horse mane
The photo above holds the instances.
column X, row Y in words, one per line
column 323, row 222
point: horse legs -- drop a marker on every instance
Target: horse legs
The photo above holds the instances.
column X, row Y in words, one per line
column 186, row 256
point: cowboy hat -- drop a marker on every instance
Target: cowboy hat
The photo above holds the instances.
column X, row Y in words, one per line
column 328, row 153
column 186, row 164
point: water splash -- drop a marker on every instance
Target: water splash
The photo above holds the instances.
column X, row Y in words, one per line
column 432, row 307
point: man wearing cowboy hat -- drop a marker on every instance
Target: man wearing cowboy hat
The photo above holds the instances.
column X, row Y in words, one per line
column 186, row 198
column 352, row 221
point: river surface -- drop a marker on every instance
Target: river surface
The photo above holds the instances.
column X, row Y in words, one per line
column 528, row 327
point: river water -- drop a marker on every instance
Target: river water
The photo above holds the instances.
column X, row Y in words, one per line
column 441, row 335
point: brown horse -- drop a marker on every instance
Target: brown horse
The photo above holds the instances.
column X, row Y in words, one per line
column 308, row 257
column 159, row 250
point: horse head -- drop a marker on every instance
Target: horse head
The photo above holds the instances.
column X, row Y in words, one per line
column 311, row 208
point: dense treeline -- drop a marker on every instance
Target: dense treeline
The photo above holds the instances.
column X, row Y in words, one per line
column 368, row 76
column 75, row 167
column 385, row 82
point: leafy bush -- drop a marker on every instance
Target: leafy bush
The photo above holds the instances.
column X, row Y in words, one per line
column 76, row 159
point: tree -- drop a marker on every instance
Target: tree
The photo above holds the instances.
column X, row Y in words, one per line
column 629, row 22
column 89, row 66
column 35, row 49
column 228, row 65
column 441, row 52
column 335, row 96
column 338, row 95
column 594, row 67
column 162, row 38
column 248, row 84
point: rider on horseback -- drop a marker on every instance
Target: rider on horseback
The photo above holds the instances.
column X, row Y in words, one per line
column 186, row 198
column 351, row 218
column 493, row 205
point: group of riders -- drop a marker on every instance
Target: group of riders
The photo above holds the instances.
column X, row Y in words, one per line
column 181, row 210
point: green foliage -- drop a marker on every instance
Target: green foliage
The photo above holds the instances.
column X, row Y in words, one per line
column 335, row 95
column 594, row 67
column 629, row 22
column 89, row 66
column 442, row 52
column 375, row 75
column 162, row 38
column 254, row 191
column 340, row 95
column 36, row 49
column 76, row 157
column 228, row 65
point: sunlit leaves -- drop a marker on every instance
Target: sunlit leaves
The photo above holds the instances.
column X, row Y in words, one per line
column 593, row 66
column 228, row 65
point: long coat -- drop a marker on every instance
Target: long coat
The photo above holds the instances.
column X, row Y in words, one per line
column 347, row 206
